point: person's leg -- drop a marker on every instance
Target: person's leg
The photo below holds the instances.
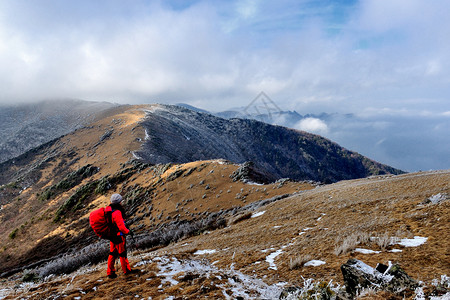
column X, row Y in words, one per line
column 113, row 254
column 122, row 248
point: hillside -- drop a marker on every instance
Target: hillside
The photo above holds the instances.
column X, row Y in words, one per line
column 252, row 258
column 25, row 126
column 50, row 189
column 207, row 202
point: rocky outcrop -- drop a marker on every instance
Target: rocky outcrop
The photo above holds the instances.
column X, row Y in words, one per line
column 247, row 172
column 391, row 278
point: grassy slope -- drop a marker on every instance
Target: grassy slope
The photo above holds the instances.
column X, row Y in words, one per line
column 376, row 206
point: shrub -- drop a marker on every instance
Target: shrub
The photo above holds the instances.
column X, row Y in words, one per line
column 347, row 245
column 240, row 217
column 299, row 261
column 91, row 254
column 13, row 234
column 29, row 276
column 75, row 201
column 175, row 175
column 350, row 242
column 383, row 241
column 103, row 186
column 176, row 231
column 71, row 180
column 312, row 291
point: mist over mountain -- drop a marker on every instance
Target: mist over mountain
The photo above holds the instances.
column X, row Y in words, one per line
column 25, row 126
column 386, row 135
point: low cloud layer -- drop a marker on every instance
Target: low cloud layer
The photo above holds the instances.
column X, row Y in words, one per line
column 312, row 125
column 305, row 54
column 375, row 56
column 410, row 143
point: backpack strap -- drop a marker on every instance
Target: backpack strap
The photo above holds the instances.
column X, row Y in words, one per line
column 108, row 217
column 112, row 227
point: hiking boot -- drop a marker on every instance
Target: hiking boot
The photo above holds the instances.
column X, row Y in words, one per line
column 134, row 271
column 112, row 275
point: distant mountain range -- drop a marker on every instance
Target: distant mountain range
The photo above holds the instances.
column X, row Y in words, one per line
column 284, row 118
column 25, row 126
column 179, row 135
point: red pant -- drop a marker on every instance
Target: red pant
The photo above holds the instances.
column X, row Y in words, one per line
column 118, row 250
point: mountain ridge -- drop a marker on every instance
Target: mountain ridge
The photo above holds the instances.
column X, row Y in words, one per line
column 280, row 151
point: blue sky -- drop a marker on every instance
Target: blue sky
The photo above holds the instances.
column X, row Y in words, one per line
column 378, row 59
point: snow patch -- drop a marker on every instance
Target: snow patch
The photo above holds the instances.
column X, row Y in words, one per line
column 438, row 198
column 369, row 270
column 366, row 251
column 141, row 263
column 135, row 155
column 260, row 213
column 320, row 218
column 252, row 183
column 267, row 250
column 206, row 251
column 237, row 285
column 396, row 250
column 443, row 297
column 4, row 293
column 415, row 242
column 169, row 268
column 271, row 259
column 314, row 263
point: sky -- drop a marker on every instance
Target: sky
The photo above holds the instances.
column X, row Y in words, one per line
column 387, row 62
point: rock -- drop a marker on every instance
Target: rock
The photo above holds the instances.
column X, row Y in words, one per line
column 248, row 172
column 288, row 291
column 358, row 275
column 401, row 281
column 243, row 172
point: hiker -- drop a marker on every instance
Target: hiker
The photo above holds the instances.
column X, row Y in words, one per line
column 118, row 244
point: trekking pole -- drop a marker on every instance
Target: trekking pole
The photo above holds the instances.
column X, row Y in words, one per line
column 135, row 247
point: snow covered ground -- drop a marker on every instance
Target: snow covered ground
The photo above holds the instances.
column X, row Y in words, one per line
column 233, row 283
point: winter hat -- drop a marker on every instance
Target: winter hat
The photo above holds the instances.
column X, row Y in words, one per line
column 116, row 198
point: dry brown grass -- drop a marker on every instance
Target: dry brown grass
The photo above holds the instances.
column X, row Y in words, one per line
column 384, row 240
column 299, row 261
column 240, row 217
column 349, row 243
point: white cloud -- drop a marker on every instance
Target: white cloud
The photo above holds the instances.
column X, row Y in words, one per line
column 382, row 54
column 385, row 61
column 312, row 125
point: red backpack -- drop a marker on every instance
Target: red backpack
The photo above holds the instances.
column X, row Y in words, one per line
column 102, row 224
